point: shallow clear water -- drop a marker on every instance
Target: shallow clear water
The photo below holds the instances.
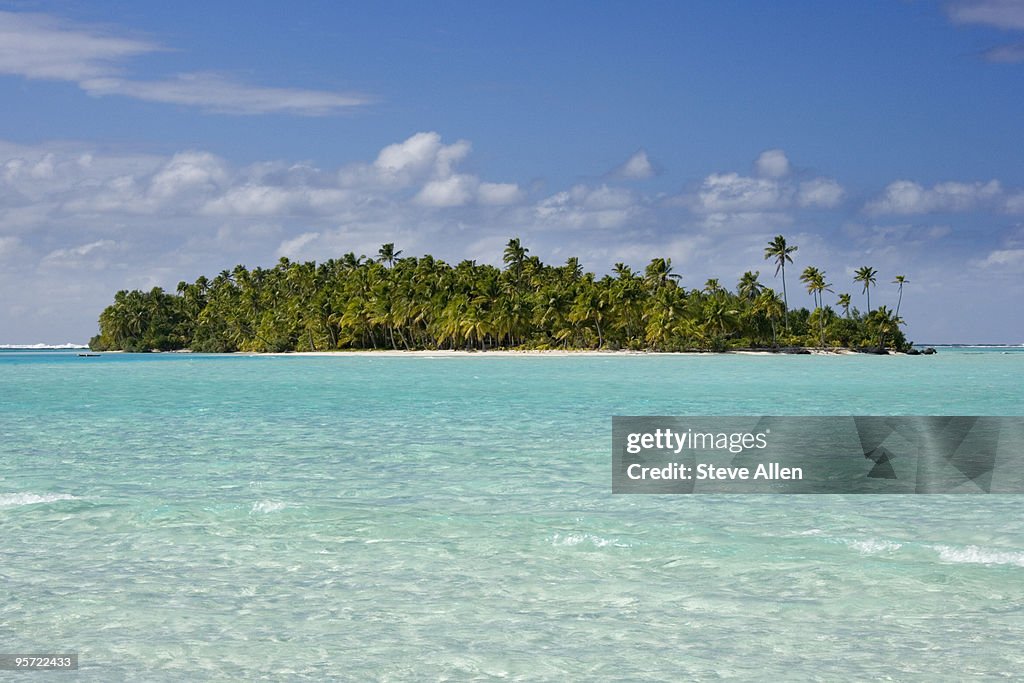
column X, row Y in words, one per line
column 186, row 517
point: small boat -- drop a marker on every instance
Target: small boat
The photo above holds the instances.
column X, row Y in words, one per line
column 88, row 355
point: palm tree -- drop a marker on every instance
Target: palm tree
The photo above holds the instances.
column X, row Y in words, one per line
column 514, row 256
column 769, row 305
column 900, row 280
column 844, row 301
column 778, row 249
column 748, row 287
column 886, row 322
column 810, row 277
column 816, row 285
column 659, row 273
column 392, row 302
column 388, row 254
column 866, row 274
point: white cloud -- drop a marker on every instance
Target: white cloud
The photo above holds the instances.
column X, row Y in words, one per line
column 496, row 194
column 188, row 171
column 1003, row 258
column 730, row 202
column 80, row 255
column 218, row 94
column 415, row 154
column 456, row 190
column 1015, row 203
column 43, row 47
column 450, row 155
column 251, row 200
column 637, row 167
column 1004, row 14
column 293, row 248
column 731, row 192
column 582, row 207
column 908, row 197
column 605, row 197
column 40, row 46
column 821, row 192
column 772, row 163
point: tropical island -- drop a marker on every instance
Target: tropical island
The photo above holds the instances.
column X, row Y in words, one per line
column 410, row 303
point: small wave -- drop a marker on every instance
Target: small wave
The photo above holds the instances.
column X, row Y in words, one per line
column 873, row 546
column 18, row 499
column 577, row 539
column 268, row 506
column 972, row 554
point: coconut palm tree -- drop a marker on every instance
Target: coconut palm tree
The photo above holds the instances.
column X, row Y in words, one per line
column 748, row 287
column 866, row 274
column 659, row 273
column 515, row 256
column 886, row 322
column 388, row 254
column 778, row 250
column 844, row 301
column 900, row 280
column 810, row 277
column 816, row 285
column 771, row 307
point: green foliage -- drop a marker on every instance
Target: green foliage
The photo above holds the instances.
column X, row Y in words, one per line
column 398, row 302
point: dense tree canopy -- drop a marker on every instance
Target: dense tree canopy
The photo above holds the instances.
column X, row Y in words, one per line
column 401, row 302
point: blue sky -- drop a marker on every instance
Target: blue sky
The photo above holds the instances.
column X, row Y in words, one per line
column 143, row 144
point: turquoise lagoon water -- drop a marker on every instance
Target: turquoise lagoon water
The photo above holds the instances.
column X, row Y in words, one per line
column 186, row 517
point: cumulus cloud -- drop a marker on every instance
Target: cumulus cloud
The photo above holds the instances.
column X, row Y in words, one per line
column 582, row 207
column 739, row 202
column 820, row 192
column 731, row 192
column 188, row 171
column 637, row 167
column 908, row 197
column 421, row 156
column 39, row 46
column 456, row 190
column 497, row 194
column 772, row 163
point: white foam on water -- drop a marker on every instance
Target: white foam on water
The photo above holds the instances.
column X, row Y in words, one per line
column 972, row 554
column 873, row 546
column 268, row 506
column 18, row 499
column 577, row 539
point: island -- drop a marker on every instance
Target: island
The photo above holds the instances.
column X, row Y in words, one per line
column 422, row 303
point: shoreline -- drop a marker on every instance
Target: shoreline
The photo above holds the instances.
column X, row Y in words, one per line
column 552, row 353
